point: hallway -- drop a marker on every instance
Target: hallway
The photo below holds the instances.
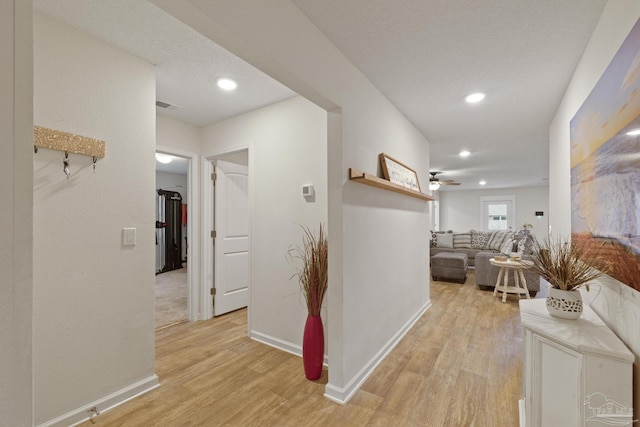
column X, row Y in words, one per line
column 460, row 365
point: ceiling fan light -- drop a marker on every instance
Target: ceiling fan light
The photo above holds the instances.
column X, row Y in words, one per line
column 433, row 186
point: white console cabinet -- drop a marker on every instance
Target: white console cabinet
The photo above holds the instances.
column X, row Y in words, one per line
column 575, row 372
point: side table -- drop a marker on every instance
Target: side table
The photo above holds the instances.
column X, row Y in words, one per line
column 518, row 277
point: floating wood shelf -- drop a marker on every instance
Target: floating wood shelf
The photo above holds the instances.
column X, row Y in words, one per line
column 374, row 181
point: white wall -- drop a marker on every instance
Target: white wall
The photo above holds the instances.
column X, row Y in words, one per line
column 16, row 214
column 616, row 303
column 176, row 134
column 287, row 145
column 461, row 210
column 379, row 273
column 93, row 297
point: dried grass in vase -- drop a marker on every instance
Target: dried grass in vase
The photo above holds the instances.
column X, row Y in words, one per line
column 312, row 263
column 565, row 265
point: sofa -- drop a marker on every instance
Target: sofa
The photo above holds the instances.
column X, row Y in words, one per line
column 471, row 242
column 480, row 246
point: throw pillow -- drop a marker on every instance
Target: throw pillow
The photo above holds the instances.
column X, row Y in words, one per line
column 507, row 246
column 498, row 238
column 434, row 238
column 480, row 239
column 525, row 245
column 462, row 240
column 445, row 240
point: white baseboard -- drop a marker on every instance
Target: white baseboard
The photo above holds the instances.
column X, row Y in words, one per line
column 343, row 394
column 276, row 343
column 521, row 413
column 287, row 346
column 82, row 414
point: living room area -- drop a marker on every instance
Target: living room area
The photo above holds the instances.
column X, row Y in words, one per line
column 478, row 225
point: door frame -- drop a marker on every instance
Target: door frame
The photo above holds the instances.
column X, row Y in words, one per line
column 193, row 230
column 206, row 306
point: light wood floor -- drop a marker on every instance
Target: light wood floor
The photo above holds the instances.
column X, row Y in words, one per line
column 460, row 365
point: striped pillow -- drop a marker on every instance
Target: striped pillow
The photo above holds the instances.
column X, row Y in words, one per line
column 498, row 238
column 462, row 240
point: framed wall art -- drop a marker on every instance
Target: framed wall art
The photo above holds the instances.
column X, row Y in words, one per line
column 605, row 166
column 399, row 173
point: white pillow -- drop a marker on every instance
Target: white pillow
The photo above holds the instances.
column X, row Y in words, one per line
column 445, row 240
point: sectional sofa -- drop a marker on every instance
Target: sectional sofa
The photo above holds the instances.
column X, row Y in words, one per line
column 480, row 246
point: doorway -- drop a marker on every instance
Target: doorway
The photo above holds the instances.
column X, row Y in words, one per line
column 229, row 258
column 176, row 250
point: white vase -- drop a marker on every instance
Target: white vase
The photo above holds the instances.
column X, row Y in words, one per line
column 564, row 304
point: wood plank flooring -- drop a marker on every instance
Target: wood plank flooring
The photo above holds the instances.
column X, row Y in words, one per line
column 460, row 365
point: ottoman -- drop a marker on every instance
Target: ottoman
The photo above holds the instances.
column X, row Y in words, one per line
column 449, row 266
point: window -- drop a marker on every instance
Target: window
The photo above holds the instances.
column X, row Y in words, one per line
column 497, row 213
column 497, row 216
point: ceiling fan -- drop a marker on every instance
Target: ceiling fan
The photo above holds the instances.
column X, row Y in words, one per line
column 435, row 183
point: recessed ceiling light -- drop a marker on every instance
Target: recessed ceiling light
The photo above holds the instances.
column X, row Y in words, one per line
column 634, row 132
column 226, row 83
column 164, row 158
column 483, row 182
column 464, row 153
column 475, row 97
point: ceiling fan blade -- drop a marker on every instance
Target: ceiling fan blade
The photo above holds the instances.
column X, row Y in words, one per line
column 449, row 183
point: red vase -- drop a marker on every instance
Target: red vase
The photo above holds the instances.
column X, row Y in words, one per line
column 313, row 347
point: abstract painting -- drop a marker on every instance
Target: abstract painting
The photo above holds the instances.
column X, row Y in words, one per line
column 605, row 165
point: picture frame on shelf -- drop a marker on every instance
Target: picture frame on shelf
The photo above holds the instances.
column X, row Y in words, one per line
column 399, row 173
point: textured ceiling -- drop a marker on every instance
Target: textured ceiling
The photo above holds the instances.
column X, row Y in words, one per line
column 187, row 63
column 424, row 55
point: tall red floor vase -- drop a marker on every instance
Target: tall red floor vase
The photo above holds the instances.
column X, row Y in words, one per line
column 313, row 347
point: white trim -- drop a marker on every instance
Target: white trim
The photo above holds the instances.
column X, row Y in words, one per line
column 78, row 416
column 206, row 307
column 522, row 414
column 193, row 229
column 279, row 344
column 343, row 394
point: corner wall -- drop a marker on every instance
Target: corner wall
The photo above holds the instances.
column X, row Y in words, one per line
column 617, row 304
column 287, row 145
column 93, row 297
column 379, row 270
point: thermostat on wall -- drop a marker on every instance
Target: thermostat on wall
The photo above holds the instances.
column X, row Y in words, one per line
column 307, row 190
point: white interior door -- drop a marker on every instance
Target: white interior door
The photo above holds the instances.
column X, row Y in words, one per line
column 231, row 242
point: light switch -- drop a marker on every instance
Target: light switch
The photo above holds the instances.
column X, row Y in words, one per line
column 128, row 237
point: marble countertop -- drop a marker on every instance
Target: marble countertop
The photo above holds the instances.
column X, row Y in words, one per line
column 587, row 334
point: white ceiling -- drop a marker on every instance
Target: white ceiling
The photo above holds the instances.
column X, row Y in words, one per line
column 424, row 55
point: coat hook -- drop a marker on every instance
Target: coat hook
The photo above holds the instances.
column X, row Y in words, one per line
column 95, row 159
column 35, row 149
column 65, row 164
